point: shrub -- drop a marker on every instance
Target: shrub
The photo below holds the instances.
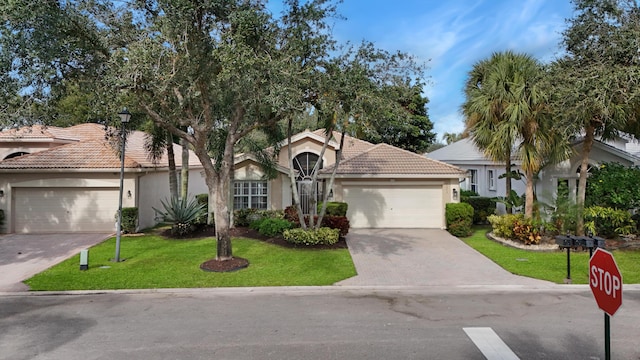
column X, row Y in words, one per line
column 608, row 222
column 241, row 217
column 337, row 222
column 203, row 199
column 321, row 236
column 181, row 214
column 459, row 217
column 335, row 208
column 482, row 207
column 129, row 220
column 271, row 226
column 516, row 227
column 291, row 214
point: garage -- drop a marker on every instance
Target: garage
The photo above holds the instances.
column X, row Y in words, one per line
column 47, row 210
column 389, row 206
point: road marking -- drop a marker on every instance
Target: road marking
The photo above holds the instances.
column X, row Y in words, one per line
column 490, row 344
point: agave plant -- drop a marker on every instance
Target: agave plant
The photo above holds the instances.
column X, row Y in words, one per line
column 182, row 214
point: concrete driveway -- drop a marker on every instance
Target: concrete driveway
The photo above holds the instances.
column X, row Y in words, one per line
column 423, row 257
column 24, row 255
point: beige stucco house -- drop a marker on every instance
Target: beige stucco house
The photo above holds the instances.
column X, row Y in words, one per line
column 67, row 180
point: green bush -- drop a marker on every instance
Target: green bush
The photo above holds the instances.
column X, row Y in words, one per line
column 203, row 199
column 613, row 185
column 608, row 222
column 335, row 208
column 182, row 214
column 245, row 217
column 271, row 226
column 321, row 236
column 129, row 220
column 482, row 207
column 503, row 224
column 459, row 217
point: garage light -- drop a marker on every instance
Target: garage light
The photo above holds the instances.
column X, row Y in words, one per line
column 455, row 194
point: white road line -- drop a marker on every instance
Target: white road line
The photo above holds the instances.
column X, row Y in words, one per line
column 490, row 344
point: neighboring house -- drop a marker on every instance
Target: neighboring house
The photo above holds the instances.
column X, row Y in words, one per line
column 67, row 179
column 483, row 174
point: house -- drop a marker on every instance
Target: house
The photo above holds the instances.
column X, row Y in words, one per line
column 483, row 174
column 67, row 179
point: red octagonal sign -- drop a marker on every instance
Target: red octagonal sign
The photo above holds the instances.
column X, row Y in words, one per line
column 605, row 281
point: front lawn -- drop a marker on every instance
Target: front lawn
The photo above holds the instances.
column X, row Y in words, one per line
column 551, row 266
column 152, row 261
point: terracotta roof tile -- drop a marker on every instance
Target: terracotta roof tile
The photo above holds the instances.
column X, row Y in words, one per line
column 384, row 159
column 85, row 147
column 352, row 146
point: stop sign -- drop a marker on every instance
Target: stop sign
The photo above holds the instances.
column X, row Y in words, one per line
column 605, row 281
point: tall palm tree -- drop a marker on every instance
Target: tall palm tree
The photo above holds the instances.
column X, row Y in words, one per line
column 507, row 114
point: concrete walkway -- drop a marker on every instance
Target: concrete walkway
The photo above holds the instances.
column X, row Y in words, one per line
column 24, row 255
column 423, row 257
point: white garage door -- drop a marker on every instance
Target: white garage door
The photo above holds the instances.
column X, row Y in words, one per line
column 39, row 210
column 384, row 206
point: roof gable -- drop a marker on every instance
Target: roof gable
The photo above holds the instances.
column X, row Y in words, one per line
column 386, row 160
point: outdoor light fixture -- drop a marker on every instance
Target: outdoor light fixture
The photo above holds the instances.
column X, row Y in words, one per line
column 455, row 194
column 84, row 259
column 125, row 116
column 1, row 193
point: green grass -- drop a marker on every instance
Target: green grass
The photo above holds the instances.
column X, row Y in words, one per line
column 155, row 262
column 550, row 266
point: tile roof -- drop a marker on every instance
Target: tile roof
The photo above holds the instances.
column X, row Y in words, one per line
column 384, row 159
column 83, row 146
column 352, row 146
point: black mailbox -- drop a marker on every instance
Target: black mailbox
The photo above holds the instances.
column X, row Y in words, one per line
column 564, row 241
column 599, row 242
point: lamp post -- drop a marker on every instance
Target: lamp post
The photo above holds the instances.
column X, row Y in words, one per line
column 125, row 115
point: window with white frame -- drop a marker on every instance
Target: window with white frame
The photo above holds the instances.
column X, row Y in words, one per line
column 491, row 179
column 473, row 180
column 250, row 195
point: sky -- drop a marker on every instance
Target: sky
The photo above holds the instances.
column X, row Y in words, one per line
column 452, row 35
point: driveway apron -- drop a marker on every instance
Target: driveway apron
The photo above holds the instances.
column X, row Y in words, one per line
column 422, row 257
column 24, row 255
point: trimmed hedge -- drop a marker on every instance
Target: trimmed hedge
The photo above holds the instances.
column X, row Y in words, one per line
column 335, row 208
column 322, row 236
column 459, row 218
column 129, row 220
column 482, row 207
column 331, row 221
column 271, row 226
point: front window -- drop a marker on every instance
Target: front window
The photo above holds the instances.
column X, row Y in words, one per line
column 473, row 180
column 250, row 195
column 491, row 179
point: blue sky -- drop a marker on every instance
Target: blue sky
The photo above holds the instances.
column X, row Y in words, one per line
column 452, row 35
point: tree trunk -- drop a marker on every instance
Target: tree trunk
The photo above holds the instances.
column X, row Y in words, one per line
column 173, row 176
column 507, row 180
column 528, row 206
column 292, row 179
column 314, row 181
column 184, row 172
column 332, row 179
column 582, row 181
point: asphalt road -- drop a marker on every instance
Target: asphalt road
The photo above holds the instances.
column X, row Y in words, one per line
column 312, row 323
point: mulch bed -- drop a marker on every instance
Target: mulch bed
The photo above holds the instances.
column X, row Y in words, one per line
column 237, row 263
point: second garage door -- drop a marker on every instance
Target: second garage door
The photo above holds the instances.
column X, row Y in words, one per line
column 385, row 206
column 39, row 210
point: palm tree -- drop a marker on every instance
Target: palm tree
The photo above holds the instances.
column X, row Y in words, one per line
column 507, row 114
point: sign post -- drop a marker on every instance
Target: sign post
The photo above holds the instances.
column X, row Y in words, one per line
column 605, row 281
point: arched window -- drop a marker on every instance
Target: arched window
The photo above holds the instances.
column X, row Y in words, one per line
column 305, row 163
column 15, row 154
